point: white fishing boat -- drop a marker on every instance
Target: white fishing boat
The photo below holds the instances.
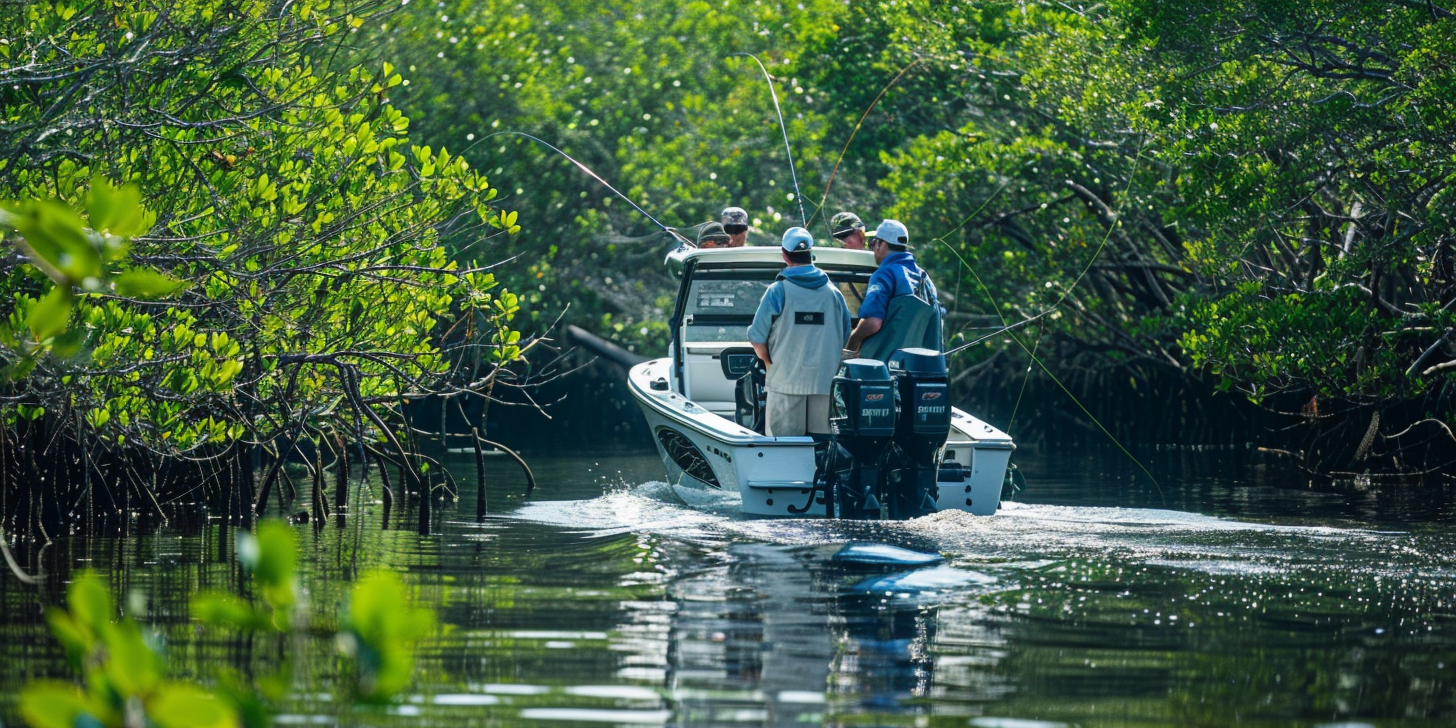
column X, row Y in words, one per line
column 882, row 461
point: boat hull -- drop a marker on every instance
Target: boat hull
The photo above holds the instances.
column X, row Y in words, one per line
column 712, row 461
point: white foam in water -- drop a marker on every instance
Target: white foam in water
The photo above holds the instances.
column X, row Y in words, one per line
column 466, row 699
column 600, row 715
column 990, row 722
column 1017, row 533
column 933, row 578
column 616, row 692
column 650, row 507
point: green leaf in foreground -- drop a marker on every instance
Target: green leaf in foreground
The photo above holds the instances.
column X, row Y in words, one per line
column 146, row 284
column 179, row 705
column 50, row 315
column 380, row 628
column 54, row 704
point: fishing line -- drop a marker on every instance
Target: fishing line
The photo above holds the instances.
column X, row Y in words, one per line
column 1020, row 393
column 798, row 196
column 998, row 332
column 854, row 131
column 1031, row 353
column 594, row 176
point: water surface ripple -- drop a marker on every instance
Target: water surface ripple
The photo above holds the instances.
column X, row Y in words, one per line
column 604, row 601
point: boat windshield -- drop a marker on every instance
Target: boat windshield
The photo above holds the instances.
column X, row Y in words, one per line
column 720, row 307
column 721, row 304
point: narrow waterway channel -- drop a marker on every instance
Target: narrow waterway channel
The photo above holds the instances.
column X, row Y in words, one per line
column 1229, row 596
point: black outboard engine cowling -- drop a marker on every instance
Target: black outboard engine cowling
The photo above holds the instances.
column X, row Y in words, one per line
column 862, row 422
column 920, row 432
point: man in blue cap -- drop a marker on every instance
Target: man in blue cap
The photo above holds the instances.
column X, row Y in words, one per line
column 900, row 307
column 801, row 324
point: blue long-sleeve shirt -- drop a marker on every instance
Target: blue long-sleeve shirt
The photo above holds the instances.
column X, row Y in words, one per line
column 898, row 275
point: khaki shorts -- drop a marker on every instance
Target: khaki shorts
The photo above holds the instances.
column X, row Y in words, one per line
column 794, row 415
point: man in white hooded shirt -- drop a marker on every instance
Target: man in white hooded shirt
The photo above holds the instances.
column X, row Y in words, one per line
column 798, row 331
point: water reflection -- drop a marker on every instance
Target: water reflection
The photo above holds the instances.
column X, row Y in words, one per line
column 603, row 602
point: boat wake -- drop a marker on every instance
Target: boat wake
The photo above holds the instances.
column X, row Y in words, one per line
column 1019, row 536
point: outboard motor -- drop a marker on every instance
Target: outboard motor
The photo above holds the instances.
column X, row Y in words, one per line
column 861, row 422
column 921, row 430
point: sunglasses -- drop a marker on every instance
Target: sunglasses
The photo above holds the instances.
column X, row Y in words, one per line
column 843, row 234
column 735, row 229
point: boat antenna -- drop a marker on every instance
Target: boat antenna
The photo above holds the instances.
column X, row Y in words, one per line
column 798, row 196
column 595, row 176
column 857, row 125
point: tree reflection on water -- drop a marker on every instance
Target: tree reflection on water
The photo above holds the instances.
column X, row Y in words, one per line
column 615, row 605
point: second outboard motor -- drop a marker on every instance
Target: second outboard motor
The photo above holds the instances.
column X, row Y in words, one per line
column 920, row 432
column 862, row 421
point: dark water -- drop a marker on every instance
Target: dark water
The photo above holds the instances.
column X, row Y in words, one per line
column 1224, row 593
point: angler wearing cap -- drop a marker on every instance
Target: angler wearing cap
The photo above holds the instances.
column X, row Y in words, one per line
column 735, row 223
column 801, row 323
column 711, row 235
column 847, row 228
column 900, row 308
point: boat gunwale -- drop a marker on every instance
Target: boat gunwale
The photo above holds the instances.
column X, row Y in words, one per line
column 1004, row 442
column 732, row 439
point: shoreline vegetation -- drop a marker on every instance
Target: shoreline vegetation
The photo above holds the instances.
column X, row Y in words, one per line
column 247, row 233
column 1249, row 201
column 229, row 254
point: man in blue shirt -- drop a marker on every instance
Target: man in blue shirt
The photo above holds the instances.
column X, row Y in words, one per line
column 798, row 330
column 900, row 307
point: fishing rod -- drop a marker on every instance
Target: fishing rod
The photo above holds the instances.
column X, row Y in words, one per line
column 669, row 230
column 1031, row 351
column 999, row 332
column 798, row 196
column 825, row 198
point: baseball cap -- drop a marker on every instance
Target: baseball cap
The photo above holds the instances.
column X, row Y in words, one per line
column 797, row 239
column 711, row 234
column 894, row 233
column 735, row 216
column 845, row 222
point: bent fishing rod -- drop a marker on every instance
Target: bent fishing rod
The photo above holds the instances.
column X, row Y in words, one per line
column 793, row 174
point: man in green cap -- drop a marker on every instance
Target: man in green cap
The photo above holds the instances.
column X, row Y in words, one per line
column 711, row 235
column 848, row 229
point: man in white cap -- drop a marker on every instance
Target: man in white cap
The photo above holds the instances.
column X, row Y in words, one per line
column 735, row 223
column 801, row 324
column 900, row 307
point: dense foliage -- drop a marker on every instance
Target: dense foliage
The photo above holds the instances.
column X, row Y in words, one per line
column 653, row 96
column 271, row 188
column 1256, row 191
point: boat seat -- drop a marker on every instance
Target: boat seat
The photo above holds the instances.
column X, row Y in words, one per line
column 706, row 374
